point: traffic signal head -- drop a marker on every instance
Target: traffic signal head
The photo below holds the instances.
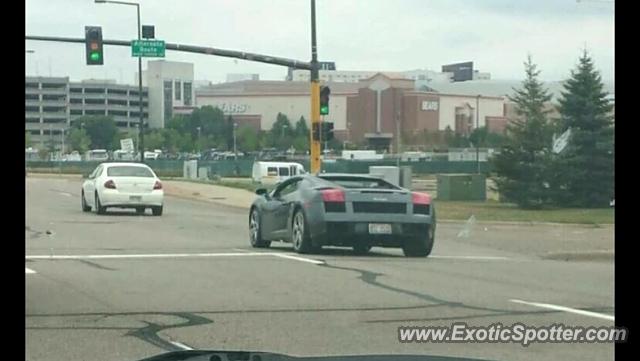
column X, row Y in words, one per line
column 324, row 100
column 327, row 131
column 93, row 44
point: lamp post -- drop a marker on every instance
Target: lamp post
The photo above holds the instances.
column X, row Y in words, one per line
column 477, row 133
column 141, row 121
column 235, row 148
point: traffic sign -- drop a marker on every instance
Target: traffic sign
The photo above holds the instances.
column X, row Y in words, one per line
column 148, row 48
column 126, row 144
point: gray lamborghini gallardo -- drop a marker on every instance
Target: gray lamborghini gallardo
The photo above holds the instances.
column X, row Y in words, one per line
column 358, row 211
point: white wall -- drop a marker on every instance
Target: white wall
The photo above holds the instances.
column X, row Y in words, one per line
column 448, row 104
column 293, row 106
column 159, row 71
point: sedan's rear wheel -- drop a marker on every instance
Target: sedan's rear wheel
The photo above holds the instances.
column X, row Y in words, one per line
column 420, row 246
column 300, row 234
column 99, row 208
column 156, row 211
column 85, row 206
column 255, row 231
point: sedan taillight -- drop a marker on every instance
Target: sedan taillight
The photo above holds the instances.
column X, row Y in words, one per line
column 158, row 185
column 110, row 184
column 421, row 198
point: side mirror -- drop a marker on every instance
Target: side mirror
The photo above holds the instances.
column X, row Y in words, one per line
column 262, row 192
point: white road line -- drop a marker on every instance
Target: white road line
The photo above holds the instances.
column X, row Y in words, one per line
column 28, row 271
column 170, row 255
column 567, row 309
column 180, row 345
column 486, row 258
column 301, row 259
column 133, row 256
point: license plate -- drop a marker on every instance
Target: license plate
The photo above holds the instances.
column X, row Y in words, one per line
column 135, row 198
column 379, row 228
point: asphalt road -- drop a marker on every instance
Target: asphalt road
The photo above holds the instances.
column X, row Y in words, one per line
column 124, row 287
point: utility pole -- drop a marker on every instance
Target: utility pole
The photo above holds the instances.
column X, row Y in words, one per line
column 315, row 96
column 477, row 134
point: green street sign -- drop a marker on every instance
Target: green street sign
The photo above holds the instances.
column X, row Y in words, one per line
column 147, row 48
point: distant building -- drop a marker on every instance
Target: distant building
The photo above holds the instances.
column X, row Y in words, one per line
column 170, row 86
column 53, row 103
column 242, row 76
column 461, row 71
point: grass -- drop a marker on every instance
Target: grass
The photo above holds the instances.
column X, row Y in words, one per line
column 495, row 211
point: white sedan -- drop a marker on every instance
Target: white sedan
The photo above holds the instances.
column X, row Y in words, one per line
column 123, row 185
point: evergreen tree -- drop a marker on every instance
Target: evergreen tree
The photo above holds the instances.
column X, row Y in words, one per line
column 522, row 167
column 586, row 166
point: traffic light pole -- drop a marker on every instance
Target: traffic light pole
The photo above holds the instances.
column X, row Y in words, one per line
column 141, row 123
column 315, row 96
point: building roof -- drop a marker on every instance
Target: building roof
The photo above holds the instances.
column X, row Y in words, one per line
column 263, row 87
column 497, row 88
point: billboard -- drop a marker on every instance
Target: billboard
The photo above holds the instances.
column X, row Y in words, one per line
column 461, row 71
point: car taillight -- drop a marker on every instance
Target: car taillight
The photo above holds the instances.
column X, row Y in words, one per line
column 158, row 185
column 110, row 184
column 332, row 195
column 421, row 198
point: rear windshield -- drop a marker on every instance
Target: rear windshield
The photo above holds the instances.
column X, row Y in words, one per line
column 357, row 182
column 129, row 171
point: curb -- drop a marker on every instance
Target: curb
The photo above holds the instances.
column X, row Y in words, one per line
column 596, row 255
column 521, row 223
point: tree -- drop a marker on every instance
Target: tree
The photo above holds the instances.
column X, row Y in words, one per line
column 79, row 140
column 522, row 167
column 302, row 130
column 100, row 129
column 247, row 139
column 154, row 139
column 282, row 132
column 587, row 179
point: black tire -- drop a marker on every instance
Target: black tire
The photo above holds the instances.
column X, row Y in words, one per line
column 421, row 246
column 255, row 230
column 140, row 210
column 300, row 236
column 361, row 249
column 98, row 206
column 85, row 207
column 157, row 211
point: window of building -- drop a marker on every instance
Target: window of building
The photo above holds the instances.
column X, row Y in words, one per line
column 53, row 86
column 32, row 97
column 116, row 102
column 76, row 90
column 75, row 101
column 76, row 111
column 187, row 93
column 33, row 120
column 178, row 89
column 168, row 99
column 94, row 112
column 32, row 109
column 34, row 131
column 31, row 85
column 94, row 90
column 94, row 101
column 50, row 97
column 122, row 113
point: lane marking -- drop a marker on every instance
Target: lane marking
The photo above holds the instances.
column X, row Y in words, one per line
column 296, row 258
column 180, row 345
column 133, row 256
column 170, row 255
column 28, row 271
column 566, row 309
column 487, row 258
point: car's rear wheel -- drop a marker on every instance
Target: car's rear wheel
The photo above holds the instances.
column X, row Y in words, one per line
column 361, row 248
column 157, row 211
column 99, row 208
column 85, row 207
column 255, row 231
column 420, row 246
column 300, row 234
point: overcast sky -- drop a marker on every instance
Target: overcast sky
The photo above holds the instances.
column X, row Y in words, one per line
column 391, row 35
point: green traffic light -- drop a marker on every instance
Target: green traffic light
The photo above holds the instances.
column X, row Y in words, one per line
column 324, row 110
column 95, row 56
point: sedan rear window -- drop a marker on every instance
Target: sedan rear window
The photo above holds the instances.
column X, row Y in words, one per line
column 360, row 182
column 128, row 171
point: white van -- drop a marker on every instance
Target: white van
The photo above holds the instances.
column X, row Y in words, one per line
column 274, row 172
column 100, row 155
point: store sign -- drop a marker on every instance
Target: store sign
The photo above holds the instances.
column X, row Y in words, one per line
column 429, row 105
column 232, row 108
